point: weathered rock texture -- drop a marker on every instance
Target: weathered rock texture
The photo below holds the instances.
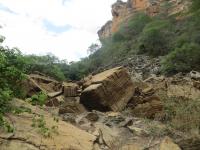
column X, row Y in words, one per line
column 70, row 89
column 27, row 136
column 122, row 11
column 109, row 90
column 39, row 83
column 168, row 144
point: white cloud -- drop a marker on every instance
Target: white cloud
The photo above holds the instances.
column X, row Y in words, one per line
column 26, row 30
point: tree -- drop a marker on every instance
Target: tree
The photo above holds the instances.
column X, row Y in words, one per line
column 93, row 48
column 182, row 59
column 11, row 77
column 47, row 64
column 195, row 5
column 155, row 38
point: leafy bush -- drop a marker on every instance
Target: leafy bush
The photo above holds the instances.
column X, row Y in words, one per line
column 39, row 99
column 47, row 64
column 182, row 59
column 195, row 5
column 12, row 68
column 155, row 38
column 11, row 76
column 40, row 123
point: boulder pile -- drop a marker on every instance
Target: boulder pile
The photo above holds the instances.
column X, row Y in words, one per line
column 105, row 111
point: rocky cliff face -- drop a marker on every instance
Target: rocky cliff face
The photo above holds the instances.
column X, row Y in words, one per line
column 122, row 11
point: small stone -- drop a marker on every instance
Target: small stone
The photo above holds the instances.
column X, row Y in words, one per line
column 93, row 117
column 137, row 131
column 195, row 75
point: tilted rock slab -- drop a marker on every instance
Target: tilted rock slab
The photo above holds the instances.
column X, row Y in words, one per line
column 109, row 90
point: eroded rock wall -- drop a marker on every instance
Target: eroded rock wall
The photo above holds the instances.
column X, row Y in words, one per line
column 122, row 11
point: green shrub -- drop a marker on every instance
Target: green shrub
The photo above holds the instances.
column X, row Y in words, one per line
column 40, row 123
column 11, row 76
column 118, row 36
column 39, row 99
column 182, row 59
column 5, row 98
column 47, row 64
column 155, row 38
column 195, row 5
column 142, row 34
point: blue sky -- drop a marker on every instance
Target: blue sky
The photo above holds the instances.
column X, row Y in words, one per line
column 55, row 28
column 65, row 28
column 6, row 9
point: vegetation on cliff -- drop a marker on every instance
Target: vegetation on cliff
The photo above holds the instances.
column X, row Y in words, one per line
column 175, row 37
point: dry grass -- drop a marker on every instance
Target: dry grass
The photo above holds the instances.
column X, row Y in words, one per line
column 182, row 114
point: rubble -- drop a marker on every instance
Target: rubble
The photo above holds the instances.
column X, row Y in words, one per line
column 138, row 65
column 107, row 109
column 55, row 102
column 92, row 117
column 137, row 131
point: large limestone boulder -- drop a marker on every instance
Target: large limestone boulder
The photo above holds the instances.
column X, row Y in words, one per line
column 109, row 90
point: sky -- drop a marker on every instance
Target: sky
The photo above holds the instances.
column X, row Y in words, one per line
column 65, row 28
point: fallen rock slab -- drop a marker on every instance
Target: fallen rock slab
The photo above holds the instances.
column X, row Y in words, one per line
column 109, row 90
column 37, row 83
column 148, row 107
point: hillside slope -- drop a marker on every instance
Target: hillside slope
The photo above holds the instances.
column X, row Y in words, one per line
column 171, row 32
